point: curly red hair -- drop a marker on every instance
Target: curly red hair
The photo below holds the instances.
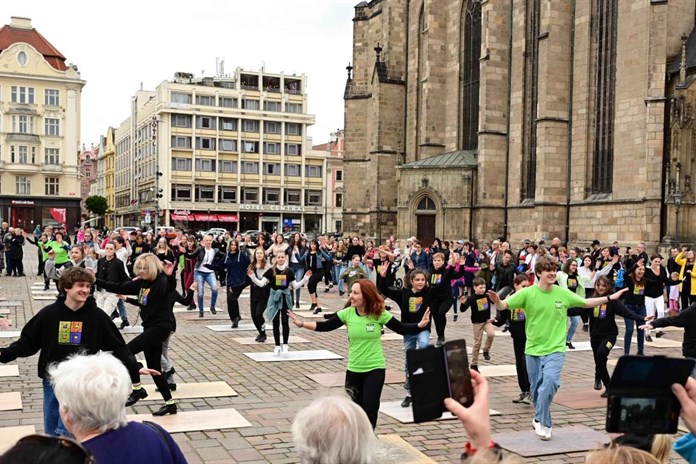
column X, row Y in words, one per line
column 374, row 303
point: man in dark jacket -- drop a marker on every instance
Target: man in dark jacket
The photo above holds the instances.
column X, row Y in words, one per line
column 504, row 272
column 71, row 325
column 685, row 319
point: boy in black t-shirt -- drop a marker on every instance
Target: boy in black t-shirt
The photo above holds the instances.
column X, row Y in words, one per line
column 480, row 306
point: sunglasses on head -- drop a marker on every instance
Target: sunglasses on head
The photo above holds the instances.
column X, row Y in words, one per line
column 60, row 444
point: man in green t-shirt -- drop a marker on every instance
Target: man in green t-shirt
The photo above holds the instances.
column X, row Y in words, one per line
column 546, row 307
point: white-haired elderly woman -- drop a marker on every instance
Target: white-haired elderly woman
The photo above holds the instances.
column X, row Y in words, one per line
column 333, row 429
column 90, row 390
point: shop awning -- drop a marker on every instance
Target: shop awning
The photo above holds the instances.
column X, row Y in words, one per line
column 228, row 218
column 181, row 217
column 205, row 217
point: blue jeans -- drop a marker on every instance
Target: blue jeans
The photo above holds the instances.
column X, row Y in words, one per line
column 200, row 278
column 574, row 322
column 298, row 269
column 417, row 341
column 338, row 270
column 544, row 379
column 53, row 425
column 121, row 306
column 640, row 310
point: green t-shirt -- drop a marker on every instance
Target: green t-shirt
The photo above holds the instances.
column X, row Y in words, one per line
column 547, row 317
column 365, row 340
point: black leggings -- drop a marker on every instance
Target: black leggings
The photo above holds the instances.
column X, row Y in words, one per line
column 150, row 343
column 440, row 309
column 326, row 270
column 257, row 308
column 365, row 388
column 282, row 314
column 314, row 281
column 686, row 298
column 518, row 343
column 233, row 300
column 601, row 347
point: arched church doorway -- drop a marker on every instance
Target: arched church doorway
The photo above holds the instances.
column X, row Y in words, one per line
column 426, row 214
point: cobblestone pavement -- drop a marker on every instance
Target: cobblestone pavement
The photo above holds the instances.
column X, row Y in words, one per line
column 270, row 394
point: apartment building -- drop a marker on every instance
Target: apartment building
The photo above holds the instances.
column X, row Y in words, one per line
column 232, row 151
column 39, row 130
column 333, row 200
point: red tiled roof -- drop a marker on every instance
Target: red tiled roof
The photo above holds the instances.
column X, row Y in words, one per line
column 11, row 35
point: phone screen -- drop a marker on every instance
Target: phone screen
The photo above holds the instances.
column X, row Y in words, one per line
column 458, row 376
column 643, row 415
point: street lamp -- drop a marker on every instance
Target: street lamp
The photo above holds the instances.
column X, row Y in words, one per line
column 676, row 193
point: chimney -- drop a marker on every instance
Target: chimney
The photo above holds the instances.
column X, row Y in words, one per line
column 19, row 22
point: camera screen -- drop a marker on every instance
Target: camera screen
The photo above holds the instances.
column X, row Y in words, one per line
column 458, row 375
column 644, row 414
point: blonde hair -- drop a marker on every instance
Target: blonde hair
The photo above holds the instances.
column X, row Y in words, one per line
column 661, row 446
column 150, row 264
column 617, row 454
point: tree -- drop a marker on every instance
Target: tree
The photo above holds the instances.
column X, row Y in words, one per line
column 96, row 204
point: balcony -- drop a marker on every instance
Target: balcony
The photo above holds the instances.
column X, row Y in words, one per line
column 52, row 167
column 21, row 168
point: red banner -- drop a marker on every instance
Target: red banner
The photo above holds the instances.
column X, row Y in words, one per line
column 58, row 214
column 228, row 218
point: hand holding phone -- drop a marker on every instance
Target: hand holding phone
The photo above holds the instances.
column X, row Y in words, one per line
column 476, row 418
column 687, row 399
column 458, row 372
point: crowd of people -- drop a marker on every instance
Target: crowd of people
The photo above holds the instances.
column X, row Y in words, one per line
column 540, row 294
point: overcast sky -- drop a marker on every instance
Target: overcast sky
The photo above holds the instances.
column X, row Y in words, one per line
column 119, row 45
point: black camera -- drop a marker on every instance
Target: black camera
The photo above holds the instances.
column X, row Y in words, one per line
column 640, row 394
column 436, row 373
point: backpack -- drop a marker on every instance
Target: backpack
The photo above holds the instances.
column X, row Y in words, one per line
column 619, row 282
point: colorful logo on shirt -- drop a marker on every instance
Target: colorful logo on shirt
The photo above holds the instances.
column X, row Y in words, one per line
column 518, row 314
column 572, row 284
column 435, row 279
column 69, row 333
column 414, row 304
column 639, row 290
column 142, row 296
column 281, row 280
column 482, row 304
column 370, row 327
column 600, row 312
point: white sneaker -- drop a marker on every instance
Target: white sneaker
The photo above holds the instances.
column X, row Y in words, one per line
column 547, row 434
column 539, row 429
column 286, row 348
column 276, row 351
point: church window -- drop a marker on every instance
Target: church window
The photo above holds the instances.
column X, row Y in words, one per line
column 471, row 52
column 531, row 96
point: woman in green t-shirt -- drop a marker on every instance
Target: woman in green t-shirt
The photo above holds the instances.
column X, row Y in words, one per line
column 364, row 319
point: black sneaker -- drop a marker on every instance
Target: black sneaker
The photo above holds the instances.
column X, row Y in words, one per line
column 261, row 338
column 297, row 304
column 135, row 396
column 166, row 409
column 505, row 328
column 317, row 310
column 659, row 334
column 486, row 356
column 648, row 338
column 604, row 394
column 172, row 387
column 327, row 289
column 200, row 314
column 191, row 307
column 124, row 324
column 114, row 314
column 406, row 402
column 474, row 367
column 570, row 345
column 597, row 384
column 213, row 310
column 520, row 398
column 455, row 318
column 585, row 327
column 341, row 293
column 314, row 305
column 440, row 341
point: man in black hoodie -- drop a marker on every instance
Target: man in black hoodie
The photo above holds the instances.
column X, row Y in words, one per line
column 685, row 319
column 73, row 324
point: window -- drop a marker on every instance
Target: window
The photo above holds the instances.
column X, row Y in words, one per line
column 228, row 102
column 23, row 124
column 228, row 166
column 293, row 108
column 205, row 193
column 338, row 200
column 312, row 197
column 339, row 225
column 271, row 196
column 292, row 197
column 271, row 148
column 23, row 154
column 271, row 169
column 205, row 165
column 313, row 171
column 250, row 104
column 250, row 147
column 270, row 127
column 228, row 145
column 205, row 143
column 531, row 95
column 470, row 72
column 22, row 94
column 51, row 186
column 51, row 156
column 426, row 204
column 88, row 172
column 249, row 167
column 181, row 164
column 292, row 129
column 181, row 98
column 250, row 195
column 227, row 194
column 179, row 141
column 250, row 126
column 181, row 120
column 293, row 149
column 271, row 106
column 339, row 175
column 52, row 126
column 23, row 185
column 228, row 124
column 605, row 99
column 292, row 170
column 205, row 100
column 51, row 97
column 205, row 122
column 181, row 192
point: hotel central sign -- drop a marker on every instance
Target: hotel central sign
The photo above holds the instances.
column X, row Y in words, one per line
column 273, row 208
